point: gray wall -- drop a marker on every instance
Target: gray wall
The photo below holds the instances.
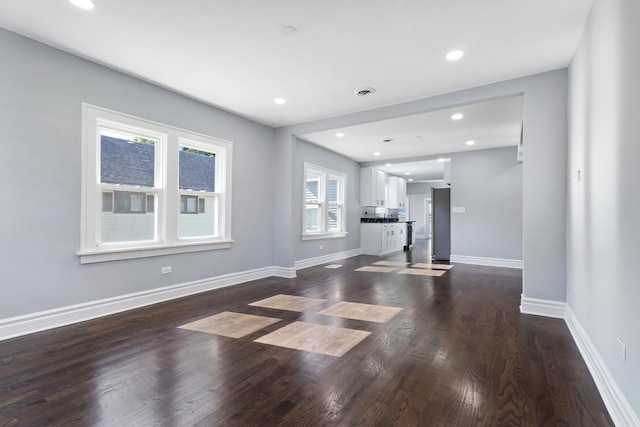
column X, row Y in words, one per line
column 285, row 239
column 306, row 152
column 41, row 90
column 604, row 206
column 488, row 184
column 422, row 188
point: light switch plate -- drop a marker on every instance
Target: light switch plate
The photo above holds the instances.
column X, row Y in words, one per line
column 458, row 209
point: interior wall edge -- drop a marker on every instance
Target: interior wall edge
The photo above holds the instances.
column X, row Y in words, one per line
column 542, row 307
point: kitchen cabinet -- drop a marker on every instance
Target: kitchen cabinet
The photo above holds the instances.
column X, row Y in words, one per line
column 402, row 193
column 372, row 187
column 397, row 192
column 382, row 238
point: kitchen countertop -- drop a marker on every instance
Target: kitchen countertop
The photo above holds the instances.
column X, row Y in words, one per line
column 383, row 221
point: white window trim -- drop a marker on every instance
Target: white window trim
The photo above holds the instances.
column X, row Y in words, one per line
column 325, row 174
column 168, row 199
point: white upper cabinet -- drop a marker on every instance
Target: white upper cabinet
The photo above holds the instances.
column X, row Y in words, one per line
column 402, row 192
column 397, row 192
column 372, row 187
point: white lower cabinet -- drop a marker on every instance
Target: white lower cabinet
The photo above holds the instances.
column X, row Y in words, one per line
column 380, row 239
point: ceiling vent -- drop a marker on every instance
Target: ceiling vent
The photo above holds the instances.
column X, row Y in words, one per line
column 365, row 91
column 289, row 31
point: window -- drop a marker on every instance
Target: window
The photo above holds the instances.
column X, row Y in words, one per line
column 323, row 203
column 151, row 189
column 197, row 188
column 129, row 202
column 188, row 204
column 313, row 223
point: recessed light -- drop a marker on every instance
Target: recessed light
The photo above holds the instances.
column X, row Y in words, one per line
column 410, row 180
column 376, row 154
column 407, row 173
column 365, row 91
column 280, row 101
column 83, row 4
column 339, row 134
column 454, row 55
column 388, row 164
column 456, row 116
column 470, row 142
column 442, row 160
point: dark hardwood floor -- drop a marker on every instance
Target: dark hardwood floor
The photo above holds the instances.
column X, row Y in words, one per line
column 459, row 354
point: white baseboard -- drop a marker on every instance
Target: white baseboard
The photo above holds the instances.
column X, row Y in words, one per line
column 49, row 319
column 543, row 307
column 286, row 272
column 325, row 259
column 490, row 262
column 619, row 408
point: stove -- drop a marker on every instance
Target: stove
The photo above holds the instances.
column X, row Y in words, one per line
column 378, row 220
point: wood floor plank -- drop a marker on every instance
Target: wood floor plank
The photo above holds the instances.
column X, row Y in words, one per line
column 458, row 353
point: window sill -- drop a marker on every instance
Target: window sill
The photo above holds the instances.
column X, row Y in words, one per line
column 324, row 236
column 90, row 257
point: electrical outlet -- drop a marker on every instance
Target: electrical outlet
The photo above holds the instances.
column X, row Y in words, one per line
column 165, row 270
column 622, row 350
column 321, row 247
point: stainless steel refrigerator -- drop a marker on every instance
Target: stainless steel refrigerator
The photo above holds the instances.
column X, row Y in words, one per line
column 441, row 221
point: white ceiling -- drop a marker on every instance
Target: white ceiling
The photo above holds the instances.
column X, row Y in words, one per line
column 421, row 171
column 490, row 124
column 234, row 55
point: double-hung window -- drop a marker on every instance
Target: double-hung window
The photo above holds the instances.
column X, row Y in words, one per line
column 324, row 203
column 151, row 189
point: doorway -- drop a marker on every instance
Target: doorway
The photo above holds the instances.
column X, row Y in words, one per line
column 428, row 217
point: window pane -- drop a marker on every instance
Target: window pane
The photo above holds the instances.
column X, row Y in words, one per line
column 122, row 202
column 107, row 201
column 189, row 204
column 200, row 222
column 151, row 203
column 312, row 189
column 129, row 221
column 129, row 202
column 126, row 159
column 197, row 169
column 333, row 190
column 312, row 222
column 334, row 197
column 138, row 204
column 334, row 219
